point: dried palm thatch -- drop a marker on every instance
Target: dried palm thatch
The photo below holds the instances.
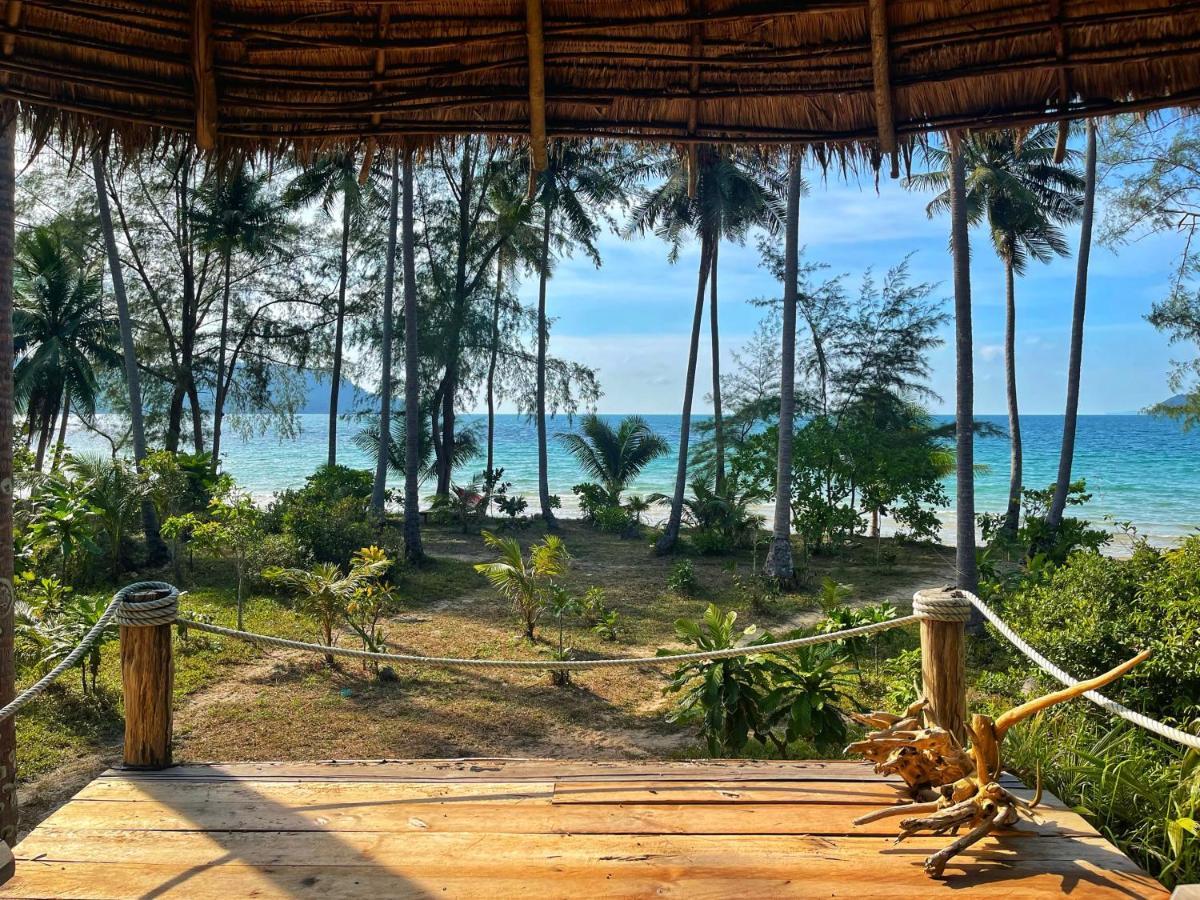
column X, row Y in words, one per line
column 951, row 789
column 311, row 74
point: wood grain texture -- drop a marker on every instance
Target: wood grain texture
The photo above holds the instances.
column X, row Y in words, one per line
column 943, row 674
column 147, row 675
column 498, row 828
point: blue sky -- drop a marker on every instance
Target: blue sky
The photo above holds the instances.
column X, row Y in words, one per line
column 631, row 318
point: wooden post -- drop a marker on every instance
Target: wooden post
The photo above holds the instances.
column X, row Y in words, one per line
column 147, row 678
column 943, row 660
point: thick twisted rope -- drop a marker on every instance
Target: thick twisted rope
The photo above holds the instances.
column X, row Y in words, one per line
column 123, row 612
column 941, row 606
column 1110, row 706
column 552, row 665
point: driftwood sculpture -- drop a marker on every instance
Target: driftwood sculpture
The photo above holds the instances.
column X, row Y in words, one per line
column 951, row 789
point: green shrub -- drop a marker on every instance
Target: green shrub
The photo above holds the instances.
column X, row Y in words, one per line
column 710, row 542
column 775, row 699
column 682, row 579
column 328, row 516
column 283, row 551
column 1094, row 612
column 613, row 519
column 592, row 497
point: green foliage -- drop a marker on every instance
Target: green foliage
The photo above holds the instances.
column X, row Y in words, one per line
column 328, row 516
column 843, row 618
column 614, row 520
column 513, row 506
column 54, row 619
column 774, row 699
column 331, row 597
column 1034, row 538
column 1093, row 612
column 614, row 457
column 593, row 609
column 526, row 582
column 833, row 595
column 115, row 491
column 682, row 578
column 592, row 498
column 230, row 528
column 1141, row 793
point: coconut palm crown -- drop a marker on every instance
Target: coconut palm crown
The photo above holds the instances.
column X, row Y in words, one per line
column 614, row 457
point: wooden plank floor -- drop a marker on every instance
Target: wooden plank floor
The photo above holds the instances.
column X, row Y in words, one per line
column 509, row 828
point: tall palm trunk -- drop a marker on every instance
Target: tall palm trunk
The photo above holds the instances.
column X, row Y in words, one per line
column 715, row 333
column 133, row 380
column 966, row 575
column 338, row 332
column 543, row 457
column 222, row 343
column 62, row 432
column 49, row 417
column 494, row 352
column 8, row 734
column 385, row 387
column 779, row 562
column 413, row 551
column 1070, row 419
column 1012, row 515
column 670, row 536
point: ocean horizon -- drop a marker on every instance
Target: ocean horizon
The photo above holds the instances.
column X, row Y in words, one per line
column 1139, row 469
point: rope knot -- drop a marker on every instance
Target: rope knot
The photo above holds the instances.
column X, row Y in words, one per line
column 147, row 603
column 942, row 605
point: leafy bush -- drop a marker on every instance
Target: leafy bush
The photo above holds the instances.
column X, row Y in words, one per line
column 708, row 542
column 594, row 611
column 527, row 582
column 682, row 579
column 592, row 498
column 1093, row 612
column 327, row 595
column 512, row 506
column 328, row 516
column 283, row 551
column 774, row 699
column 613, row 520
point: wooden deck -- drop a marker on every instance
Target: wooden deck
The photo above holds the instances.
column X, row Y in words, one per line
column 523, row 828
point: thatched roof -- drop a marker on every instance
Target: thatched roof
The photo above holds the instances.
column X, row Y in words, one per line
column 310, row 73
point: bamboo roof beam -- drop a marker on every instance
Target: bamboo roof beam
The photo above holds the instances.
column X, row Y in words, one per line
column 535, row 39
column 376, row 86
column 696, row 50
column 204, row 79
column 12, row 21
column 885, row 120
column 1064, row 79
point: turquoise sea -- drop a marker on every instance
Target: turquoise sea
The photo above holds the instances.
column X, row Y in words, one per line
column 1138, row 468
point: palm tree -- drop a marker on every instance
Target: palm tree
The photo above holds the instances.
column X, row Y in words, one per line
column 1013, row 181
column 1075, row 363
column 520, row 247
column 580, row 181
column 778, row 563
column 526, row 582
column 60, row 332
column 133, row 380
column 729, row 192
column 614, row 457
column 333, row 179
column 466, row 444
column 383, row 451
column 234, row 214
column 414, row 552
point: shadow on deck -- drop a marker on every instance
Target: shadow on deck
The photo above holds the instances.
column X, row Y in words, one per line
column 507, row 828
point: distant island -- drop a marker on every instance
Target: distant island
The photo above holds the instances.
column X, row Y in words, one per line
column 316, row 395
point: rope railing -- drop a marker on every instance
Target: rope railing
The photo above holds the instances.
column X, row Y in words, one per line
column 120, row 610
column 1105, row 703
column 158, row 605
column 573, row 665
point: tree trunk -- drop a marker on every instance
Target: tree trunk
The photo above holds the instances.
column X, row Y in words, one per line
column 156, row 549
column 1012, row 515
column 49, row 417
column 8, row 734
column 219, row 390
column 779, row 563
column 714, row 328
column 338, row 332
column 413, row 551
column 62, row 431
column 491, row 375
column 543, row 456
column 1070, row 419
column 385, row 389
column 197, row 415
column 670, row 536
column 966, row 576
column 175, row 413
